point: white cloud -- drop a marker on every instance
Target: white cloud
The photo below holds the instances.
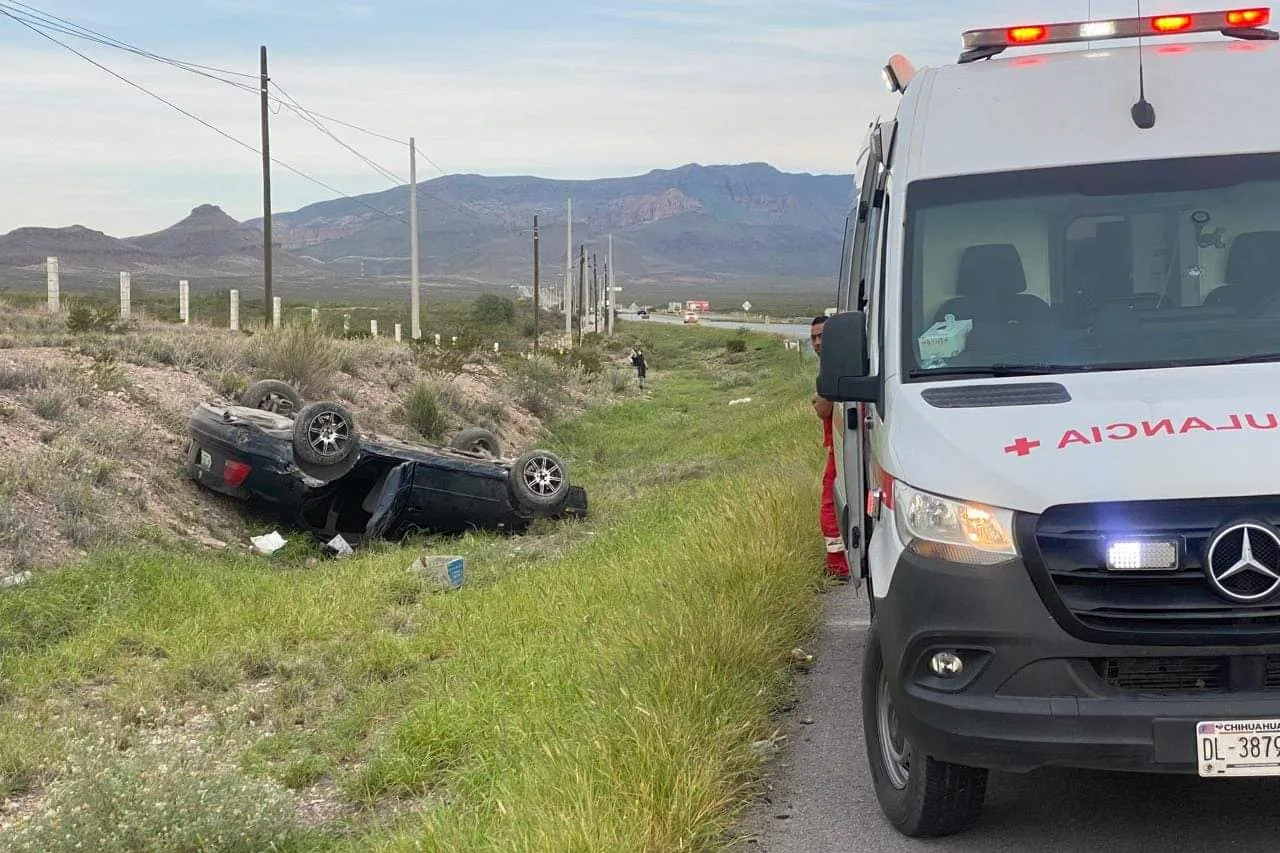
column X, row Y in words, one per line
column 754, row 80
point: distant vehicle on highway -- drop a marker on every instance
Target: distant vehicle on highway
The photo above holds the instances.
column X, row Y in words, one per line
column 690, row 318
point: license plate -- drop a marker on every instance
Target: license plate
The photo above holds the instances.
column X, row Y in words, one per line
column 1239, row 748
column 206, row 461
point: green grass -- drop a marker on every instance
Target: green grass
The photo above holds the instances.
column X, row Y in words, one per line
column 594, row 686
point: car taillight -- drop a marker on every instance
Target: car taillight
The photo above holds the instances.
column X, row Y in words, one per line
column 234, row 473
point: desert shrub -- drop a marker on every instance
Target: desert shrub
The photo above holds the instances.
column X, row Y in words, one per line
column 21, row 377
column 492, row 310
column 587, row 359
column 735, row 379
column 107, row 375
column 148, row 798
column 229, row 383
column 492, row 411
column 737, row 344
column 537, row 382
column 83, row 318
column 299, row 354
column 50, row 404
column 423, row 413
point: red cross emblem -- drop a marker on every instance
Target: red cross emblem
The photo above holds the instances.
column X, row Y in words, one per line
column 1022, row 447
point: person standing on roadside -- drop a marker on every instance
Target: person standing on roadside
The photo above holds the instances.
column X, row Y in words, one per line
column 637, row 361
column 837, row 559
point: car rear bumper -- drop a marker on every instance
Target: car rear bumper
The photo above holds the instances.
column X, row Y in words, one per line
column 1031, row 695
column 217, row 442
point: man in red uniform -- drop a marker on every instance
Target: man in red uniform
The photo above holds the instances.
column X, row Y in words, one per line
column 837, row 559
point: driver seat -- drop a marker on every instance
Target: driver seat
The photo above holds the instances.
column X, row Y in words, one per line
column 1253, row 272
column 990, row 289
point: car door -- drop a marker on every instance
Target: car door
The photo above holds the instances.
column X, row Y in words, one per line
column 388, row 506
column 850, row 419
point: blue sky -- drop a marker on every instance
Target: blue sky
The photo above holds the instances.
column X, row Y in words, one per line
column 558, row 88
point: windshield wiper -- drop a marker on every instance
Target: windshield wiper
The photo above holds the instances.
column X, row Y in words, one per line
column 999, row 370
column 1259, row 358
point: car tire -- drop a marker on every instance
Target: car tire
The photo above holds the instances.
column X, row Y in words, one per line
column 539, row 482
column 324, row 434
column 477, row 440
column 193, row 459
column 921, row 796
column 272, row 395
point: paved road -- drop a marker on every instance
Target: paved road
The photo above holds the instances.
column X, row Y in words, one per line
column 821, row 800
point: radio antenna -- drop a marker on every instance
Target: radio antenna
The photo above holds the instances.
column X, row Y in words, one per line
column 1144, row 115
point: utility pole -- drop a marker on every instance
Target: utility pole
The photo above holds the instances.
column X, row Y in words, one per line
column 613, row 291
column 266, row 188
column 595, row 296
column 582, row 288
column 566, row 303
column 536, row 308
column 415, row 298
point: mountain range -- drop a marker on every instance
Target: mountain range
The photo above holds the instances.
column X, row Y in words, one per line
column 710, row 225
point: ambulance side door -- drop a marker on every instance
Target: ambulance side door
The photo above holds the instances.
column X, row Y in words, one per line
column 850, row 419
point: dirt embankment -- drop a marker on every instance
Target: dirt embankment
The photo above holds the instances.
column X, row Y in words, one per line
column 93, row 423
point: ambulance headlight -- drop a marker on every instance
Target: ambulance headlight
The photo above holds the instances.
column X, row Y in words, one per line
column 956, row 531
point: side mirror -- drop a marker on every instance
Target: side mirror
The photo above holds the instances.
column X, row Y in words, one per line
column 844, row 371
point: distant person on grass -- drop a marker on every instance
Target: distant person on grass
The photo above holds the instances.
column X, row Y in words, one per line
column 837, row 560
column 637, row 361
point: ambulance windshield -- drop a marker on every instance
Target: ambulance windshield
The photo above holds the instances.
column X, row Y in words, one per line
column 1102, row 267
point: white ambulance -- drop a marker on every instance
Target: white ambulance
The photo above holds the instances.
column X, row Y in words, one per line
column 1057, row 367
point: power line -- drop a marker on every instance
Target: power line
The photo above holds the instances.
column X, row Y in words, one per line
column 31, row 15
column 313, row 119
column 193, row 116
column 38, row 21
column 315, row 122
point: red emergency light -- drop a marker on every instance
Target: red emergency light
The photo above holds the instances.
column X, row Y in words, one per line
column 1237, row 23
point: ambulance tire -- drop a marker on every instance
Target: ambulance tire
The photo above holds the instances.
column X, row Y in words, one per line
column 921, row 796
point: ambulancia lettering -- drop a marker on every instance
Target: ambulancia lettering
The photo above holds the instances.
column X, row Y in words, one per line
column 1139, row 430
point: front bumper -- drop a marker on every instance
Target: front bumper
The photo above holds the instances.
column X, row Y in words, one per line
column 1032, row 695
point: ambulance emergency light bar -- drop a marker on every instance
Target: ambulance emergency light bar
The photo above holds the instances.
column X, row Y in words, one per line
column 1237, row 23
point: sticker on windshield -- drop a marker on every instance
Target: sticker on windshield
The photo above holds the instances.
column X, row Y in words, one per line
column 1089, row 436
column 944, row 339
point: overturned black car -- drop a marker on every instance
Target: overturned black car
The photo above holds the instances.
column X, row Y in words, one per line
column 307, row 466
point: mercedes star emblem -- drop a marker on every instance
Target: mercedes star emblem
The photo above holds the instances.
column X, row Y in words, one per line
column 1244, row 562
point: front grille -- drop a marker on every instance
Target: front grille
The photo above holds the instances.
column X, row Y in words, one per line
column 1185, row 674
column 1162, row 675
column 1065, row 551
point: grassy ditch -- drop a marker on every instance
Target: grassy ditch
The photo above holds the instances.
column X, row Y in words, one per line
column 593, row 687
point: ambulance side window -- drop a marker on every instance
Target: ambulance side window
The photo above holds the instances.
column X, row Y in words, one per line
column 877, row 253
column 844, row 288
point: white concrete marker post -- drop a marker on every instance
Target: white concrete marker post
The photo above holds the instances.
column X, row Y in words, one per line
column 235, row 310
column 184, row 302
column 346, row 323
column 495, row 346
column 397, row 333
column 437, row 339
column 276, row 305
column 315, row 316
column 126, row 296
column 373, row 328
column 55, row 304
